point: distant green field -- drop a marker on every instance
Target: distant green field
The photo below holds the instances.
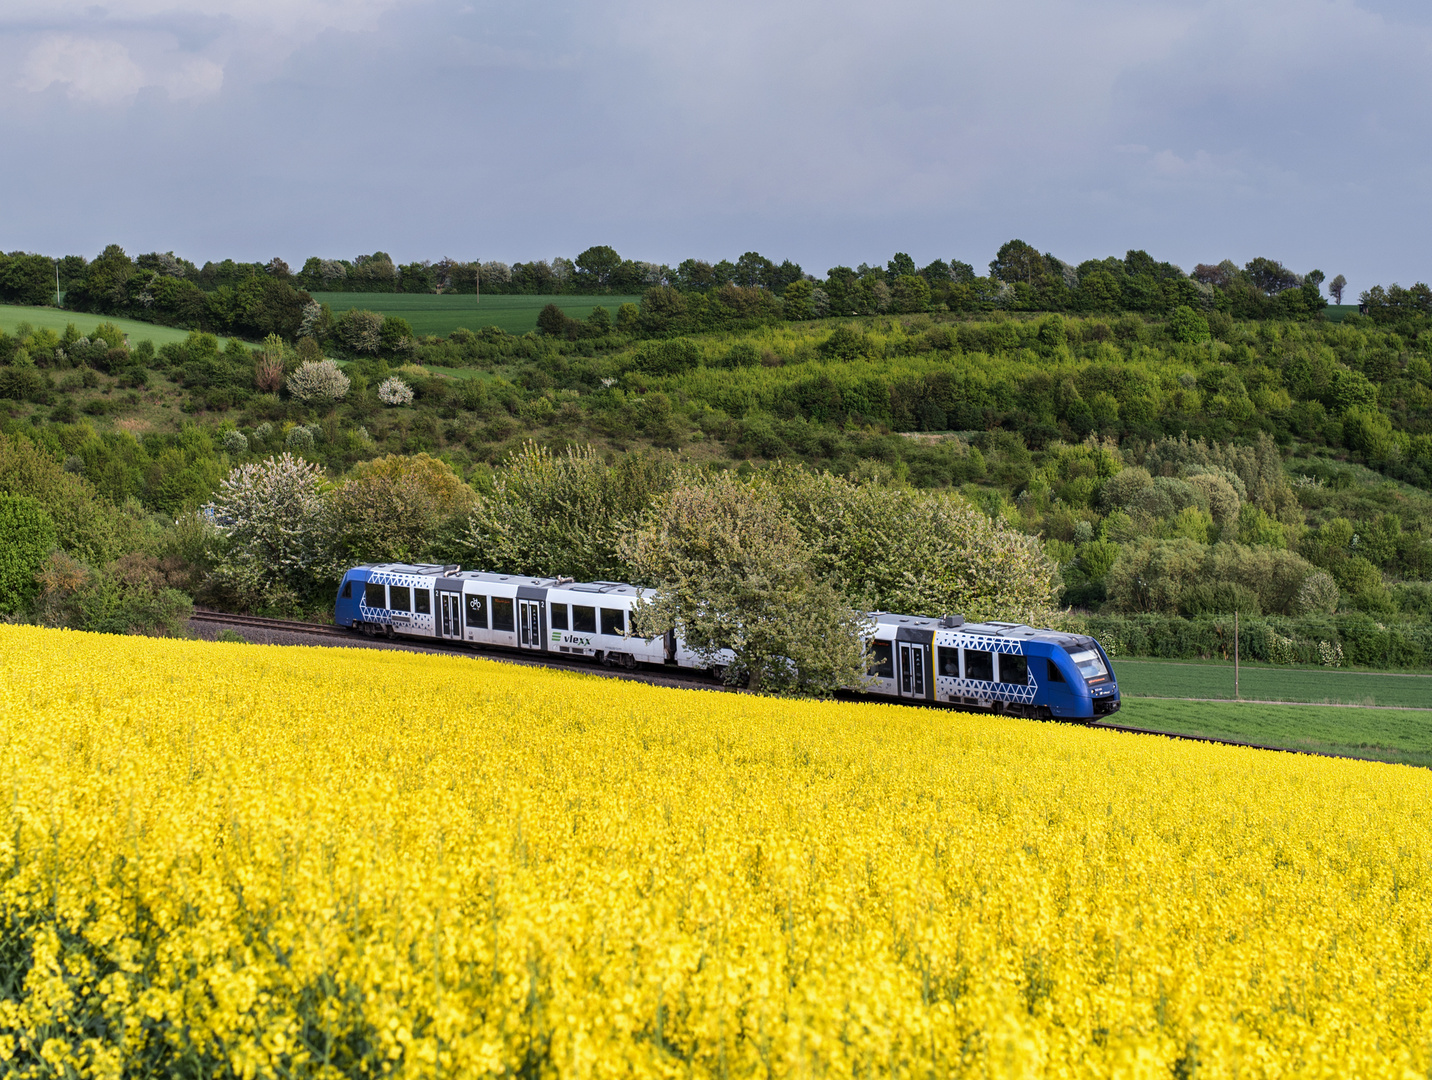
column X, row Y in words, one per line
column 433, row 314
column 12, row 316
column 1378, row 734
column 1164, row 679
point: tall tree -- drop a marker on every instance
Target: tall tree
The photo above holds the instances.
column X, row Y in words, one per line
column 594, row 268
column 900, row 266
column 1336, row 287
column 1017, row 261
column 734, row 573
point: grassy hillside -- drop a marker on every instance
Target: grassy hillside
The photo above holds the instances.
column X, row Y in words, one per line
column 433, row 314
column 1280, row 469
column 12, row 317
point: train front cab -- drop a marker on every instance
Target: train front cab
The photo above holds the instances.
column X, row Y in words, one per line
column 388, row 599
column 1075, row 676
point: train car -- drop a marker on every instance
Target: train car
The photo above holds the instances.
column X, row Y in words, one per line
column 993, row 666
column 557, row 615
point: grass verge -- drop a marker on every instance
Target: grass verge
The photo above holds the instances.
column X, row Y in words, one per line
column 1404, row 737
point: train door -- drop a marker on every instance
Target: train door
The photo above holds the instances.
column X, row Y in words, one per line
column 450, row 615
column 529, row 624
column 916, row 678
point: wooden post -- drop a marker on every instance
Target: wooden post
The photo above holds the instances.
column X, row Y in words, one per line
column 1235, row 656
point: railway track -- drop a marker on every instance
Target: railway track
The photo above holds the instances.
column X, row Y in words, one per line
column 287, row 626
column 682, row 680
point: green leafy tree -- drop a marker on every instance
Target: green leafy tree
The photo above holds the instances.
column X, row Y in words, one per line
column 734, row 573
column 26, row 536
column 910, row 294
column 916, row 552
column 552, row 321
column 1017, row 261
column 395, row 508
column 797, row 300
column 564, row 513
column 900, row 266
column 595, row 267
column 1187, row 325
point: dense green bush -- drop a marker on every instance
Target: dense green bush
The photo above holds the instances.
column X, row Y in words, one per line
column 26, row 536
column 1364, row 642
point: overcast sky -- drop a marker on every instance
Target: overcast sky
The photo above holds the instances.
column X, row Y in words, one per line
column 825, row 133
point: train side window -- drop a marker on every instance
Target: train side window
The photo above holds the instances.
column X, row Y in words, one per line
column 559, row 617
column 348, row 590
column 374, row 595
column 584, row 619
column 1055, row 675
column 1013, row 669
column 882, row 660
column 502, row 618
column 400, row 598
column 422, row 601
column 477, row 612
column 979, row 665
column 613, row 621
column 949, row 662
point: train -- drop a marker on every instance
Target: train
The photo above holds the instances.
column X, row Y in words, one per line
column 991, row 666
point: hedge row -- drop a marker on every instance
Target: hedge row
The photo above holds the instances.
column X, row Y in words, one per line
column 1354, row 640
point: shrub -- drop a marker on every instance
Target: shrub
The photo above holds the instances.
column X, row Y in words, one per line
column 299, row 438
column 320, row 382
column 1187, row 325
column 1318, row 595
column 1219, row 598
column 268, row 375
column 26, row 536
column 360, row 331
column 235, row 443
column 394, row 391
column 667, row 357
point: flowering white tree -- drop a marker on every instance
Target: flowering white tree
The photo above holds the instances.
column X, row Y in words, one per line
column 274, row 513
column 394, row 391
column 318, row 382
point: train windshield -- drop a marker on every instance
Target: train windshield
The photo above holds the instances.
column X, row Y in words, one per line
column 1090, row 664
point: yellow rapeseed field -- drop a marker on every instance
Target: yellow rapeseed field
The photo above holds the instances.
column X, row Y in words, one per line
column 264, row 862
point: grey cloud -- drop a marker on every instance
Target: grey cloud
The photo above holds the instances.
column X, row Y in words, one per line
column 827, row 134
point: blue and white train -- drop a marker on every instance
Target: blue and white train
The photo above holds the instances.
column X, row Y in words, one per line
column 994, row 666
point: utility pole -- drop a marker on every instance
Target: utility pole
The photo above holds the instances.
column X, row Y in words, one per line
column 1235, row 656
column 57, row 284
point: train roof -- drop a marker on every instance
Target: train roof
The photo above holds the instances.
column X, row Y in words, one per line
column 984, row 629
column 605, row 588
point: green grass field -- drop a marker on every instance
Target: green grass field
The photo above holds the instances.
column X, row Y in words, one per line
column 54, row 319
column 432, row 314
column 1169, row 679
column 1377, row 734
